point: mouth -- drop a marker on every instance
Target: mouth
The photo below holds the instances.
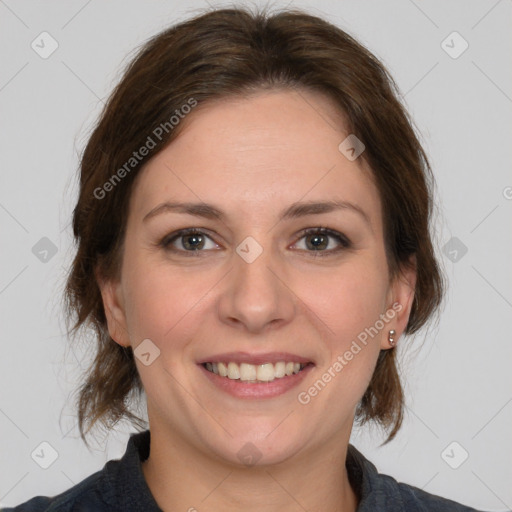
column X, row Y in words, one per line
column 256, row 373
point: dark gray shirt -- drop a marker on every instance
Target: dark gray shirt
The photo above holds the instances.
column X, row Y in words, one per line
column 120, row 486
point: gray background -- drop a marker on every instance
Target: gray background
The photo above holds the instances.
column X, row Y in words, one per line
column 457, row 376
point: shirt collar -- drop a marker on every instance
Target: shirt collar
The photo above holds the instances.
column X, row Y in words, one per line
column 375, row 491
column 125, row 485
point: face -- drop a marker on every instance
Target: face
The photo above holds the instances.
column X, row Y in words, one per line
column 281, row 269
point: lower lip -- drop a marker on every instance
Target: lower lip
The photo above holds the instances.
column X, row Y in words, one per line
column 242, row 389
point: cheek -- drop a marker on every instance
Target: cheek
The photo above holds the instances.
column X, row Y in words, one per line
column 347, row 300
column 162, row 303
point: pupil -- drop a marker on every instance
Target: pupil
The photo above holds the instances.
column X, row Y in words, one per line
column 193, row 242
column 318, row 242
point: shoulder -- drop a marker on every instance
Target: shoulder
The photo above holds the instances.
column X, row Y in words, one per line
column 120, row 485
column 85, row 496
column 415, row 499
column 382, row 492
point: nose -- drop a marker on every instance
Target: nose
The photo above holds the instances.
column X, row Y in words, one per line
column 256, row 296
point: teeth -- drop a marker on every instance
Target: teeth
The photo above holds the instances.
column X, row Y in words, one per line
column 266, row 372
column 279, row 369
column 223, row 369
column 233, row 371
column 248, row 371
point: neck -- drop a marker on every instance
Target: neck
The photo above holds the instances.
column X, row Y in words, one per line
column 180, row 478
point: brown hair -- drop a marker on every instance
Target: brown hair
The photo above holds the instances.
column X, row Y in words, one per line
column 215, row 55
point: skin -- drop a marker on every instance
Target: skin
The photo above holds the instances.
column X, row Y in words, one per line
column 253, row 157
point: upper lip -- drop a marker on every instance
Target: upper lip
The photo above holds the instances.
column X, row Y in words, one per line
column 261, row 358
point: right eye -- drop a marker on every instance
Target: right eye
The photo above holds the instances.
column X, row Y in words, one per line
column 188, row 240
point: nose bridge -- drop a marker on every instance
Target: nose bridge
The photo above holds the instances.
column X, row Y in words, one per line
column 254, row 296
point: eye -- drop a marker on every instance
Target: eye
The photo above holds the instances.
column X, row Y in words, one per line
column 322, row 240
column 188, row 240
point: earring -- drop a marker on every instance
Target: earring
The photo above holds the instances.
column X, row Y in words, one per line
column 391, row 338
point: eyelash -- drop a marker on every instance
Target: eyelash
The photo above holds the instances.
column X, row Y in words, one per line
column 344, row 242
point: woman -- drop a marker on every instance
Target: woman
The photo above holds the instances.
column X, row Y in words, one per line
column 253, row 241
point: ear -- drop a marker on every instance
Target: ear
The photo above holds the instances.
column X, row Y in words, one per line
column 400, row 299
column 113, row 303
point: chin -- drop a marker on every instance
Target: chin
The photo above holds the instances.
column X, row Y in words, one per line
column 251, row 447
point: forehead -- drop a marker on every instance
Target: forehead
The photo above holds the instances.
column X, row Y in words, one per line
column 263, row 151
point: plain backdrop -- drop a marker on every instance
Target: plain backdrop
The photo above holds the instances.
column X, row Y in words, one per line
column 457, row 376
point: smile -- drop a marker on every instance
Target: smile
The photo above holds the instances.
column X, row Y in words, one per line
column 252, row 373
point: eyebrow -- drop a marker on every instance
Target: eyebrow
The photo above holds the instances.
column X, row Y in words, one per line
column 295, row 210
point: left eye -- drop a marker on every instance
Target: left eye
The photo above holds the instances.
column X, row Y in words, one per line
column 322, row 240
